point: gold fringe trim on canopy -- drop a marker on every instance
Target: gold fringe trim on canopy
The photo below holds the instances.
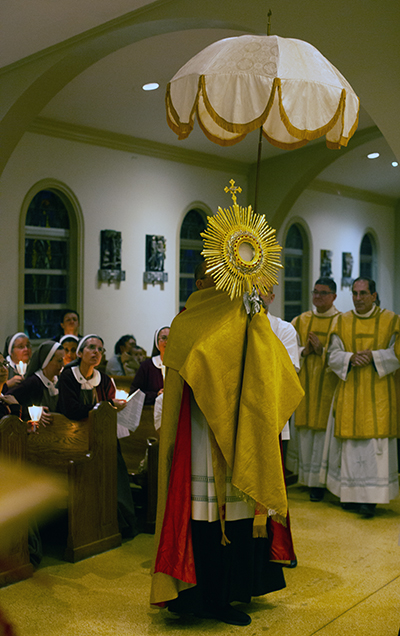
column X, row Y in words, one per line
column 183, row 130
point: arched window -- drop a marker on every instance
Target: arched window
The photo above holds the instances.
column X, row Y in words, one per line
column 296, row 272
column 191, row 245
column 50, row 263
column 368, row 257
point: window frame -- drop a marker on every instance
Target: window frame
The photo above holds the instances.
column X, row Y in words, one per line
column 75, row 249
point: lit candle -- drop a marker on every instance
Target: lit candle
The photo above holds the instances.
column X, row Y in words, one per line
column 21, row 366
column 35, row 413
column 120, row 394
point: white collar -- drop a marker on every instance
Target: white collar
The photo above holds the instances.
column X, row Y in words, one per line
column 11, row 363
column 87, row 384
column 332, row 311
column 49, row 384
column 367, row 315
column 156, row 360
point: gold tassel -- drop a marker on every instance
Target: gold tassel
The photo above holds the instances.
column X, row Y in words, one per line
column 260, row 526
column 224, row 541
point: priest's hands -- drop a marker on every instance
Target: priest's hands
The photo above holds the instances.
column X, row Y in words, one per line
column 361, row 358
column 313, row 345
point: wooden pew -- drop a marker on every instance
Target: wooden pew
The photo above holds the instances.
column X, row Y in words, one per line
column 86, row 453
column 15, row 564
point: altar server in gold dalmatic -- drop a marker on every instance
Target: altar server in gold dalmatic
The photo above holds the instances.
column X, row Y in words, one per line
column 360, row 454
column 304, row 456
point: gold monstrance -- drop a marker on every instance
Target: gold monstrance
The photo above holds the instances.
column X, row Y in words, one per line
column 240, row 249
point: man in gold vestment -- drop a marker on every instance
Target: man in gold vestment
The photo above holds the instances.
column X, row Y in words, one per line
column 220, row 468
column 360, row 455
column 305, row 450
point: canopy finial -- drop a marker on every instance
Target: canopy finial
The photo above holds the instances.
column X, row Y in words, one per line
column 269, row 22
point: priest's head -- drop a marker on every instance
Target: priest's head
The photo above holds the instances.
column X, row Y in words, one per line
column 203, row 280
column 364, row 295
column 324, row 294
column 267, row 299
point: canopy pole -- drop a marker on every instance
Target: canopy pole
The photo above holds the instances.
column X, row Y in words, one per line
column 258, row 169
column 261, row 135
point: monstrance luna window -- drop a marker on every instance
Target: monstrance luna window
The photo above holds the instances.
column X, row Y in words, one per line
column 47, row 276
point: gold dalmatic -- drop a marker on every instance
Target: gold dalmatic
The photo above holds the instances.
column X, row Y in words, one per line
column 240, row 249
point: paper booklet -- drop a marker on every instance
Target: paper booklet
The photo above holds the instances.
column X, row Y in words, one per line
column 129, row 418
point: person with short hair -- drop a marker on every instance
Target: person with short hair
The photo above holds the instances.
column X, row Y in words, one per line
column 203, row 280
column 288, row 336
column 127, row 357
column 305, row 449
column 360, row 456
column 223, row 410
column 69, row 324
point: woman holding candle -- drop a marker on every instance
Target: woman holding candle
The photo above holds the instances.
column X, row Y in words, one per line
column 17, row 352
column 8, row 403
column 39, row 387
column 81, row 386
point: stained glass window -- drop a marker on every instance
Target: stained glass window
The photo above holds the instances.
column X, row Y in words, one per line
column 296, row 263
column 46, row 274
column 191, row 245
column 367, row 257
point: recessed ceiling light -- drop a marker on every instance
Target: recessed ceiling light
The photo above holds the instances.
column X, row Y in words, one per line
column 152, row 86
column 395, row 164
column 373, row 155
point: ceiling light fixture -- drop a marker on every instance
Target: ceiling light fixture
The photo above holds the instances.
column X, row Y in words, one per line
column 152, row 86
column 373, row 155
column 395, row 164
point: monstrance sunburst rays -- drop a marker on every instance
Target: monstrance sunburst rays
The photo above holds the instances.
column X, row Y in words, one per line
column 240, row 249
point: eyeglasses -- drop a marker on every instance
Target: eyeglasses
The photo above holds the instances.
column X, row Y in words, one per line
column 320, row 293
column 94, row 348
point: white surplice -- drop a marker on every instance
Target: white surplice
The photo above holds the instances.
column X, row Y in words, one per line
column 360, row 470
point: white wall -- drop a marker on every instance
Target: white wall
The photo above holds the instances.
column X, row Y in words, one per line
column 338, row 224
column 116, row 190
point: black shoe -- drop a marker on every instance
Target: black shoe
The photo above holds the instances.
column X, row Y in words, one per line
column 367, row 510
column 347, row 505
column 317, row 494
column 231, row 616
column 292, row 564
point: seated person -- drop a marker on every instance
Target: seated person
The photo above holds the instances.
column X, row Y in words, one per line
column 8, row 403
column 39, row 389
column 39, row 386
column 150, row 376
column 70, row 345
column 69, row 324
column 127, row 357
column 81, row 386
column 17, row 349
